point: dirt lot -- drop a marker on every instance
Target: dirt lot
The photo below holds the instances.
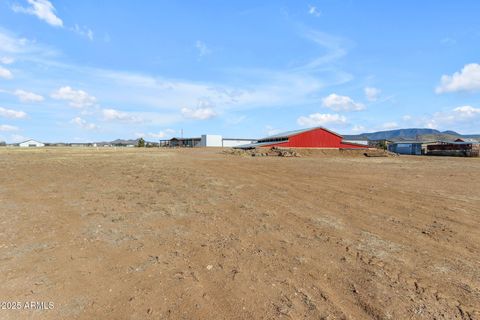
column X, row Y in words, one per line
column 197, row 234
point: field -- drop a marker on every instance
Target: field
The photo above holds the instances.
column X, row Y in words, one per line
column 197, row 234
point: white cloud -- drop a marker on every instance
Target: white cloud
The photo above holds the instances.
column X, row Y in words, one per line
column 341, row 103
column 13, row 114
column 372, row 93
column 407, row 117
column 5, row 73
column 13, row 48
column 468, row 79
column 198, row 113
column 42, row 9
column 390, row 125
column 467, row 112
column 321, row 119
column 83, row 124
column 158, row 135
column 467, row 116
column 11, row 44
column 76, row 98
column 116, row 115
column 314, row 11
column 7, row 60
column 202, row 48
column 83, row 31
column 26, row 96
column 6, row 127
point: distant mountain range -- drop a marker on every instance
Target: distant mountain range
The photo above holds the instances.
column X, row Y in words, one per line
column 412, row 134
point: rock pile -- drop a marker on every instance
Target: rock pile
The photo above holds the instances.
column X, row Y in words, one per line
column 258, row 152
column 380, row 153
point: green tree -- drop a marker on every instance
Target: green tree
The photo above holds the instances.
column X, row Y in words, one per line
column 382, row 145
column 141, row 143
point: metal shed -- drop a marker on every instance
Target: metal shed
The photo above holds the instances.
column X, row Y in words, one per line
column 410, row 147
column 31, row 143
column 455, row 148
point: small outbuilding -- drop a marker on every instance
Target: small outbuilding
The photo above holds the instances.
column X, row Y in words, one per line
column 410, row 147
column 455, row 148
column 31, row 143
column 406, row 147
column 181, row 142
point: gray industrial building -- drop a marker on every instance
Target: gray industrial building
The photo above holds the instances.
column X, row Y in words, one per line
column 410, row 147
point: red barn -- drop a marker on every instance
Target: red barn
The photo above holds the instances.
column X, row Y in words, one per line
column 306, row 138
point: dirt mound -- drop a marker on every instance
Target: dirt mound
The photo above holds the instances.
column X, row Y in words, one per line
column 380, row 153
column 263, row 152
column 310, row 152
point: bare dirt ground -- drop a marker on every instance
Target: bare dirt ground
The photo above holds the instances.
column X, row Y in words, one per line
column 197, row 234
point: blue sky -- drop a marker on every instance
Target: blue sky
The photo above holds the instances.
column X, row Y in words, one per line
column 101, row 70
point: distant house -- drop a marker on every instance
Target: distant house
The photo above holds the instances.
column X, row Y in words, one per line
column 81, row 144
column 406, row 147
column 56, row 144
column 31, row 143
column 182, row 142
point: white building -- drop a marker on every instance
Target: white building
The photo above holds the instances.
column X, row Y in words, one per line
column 31, row 143
column 206, row 140
column 210, row 140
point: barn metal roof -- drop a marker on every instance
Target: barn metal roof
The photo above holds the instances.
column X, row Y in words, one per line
column 240, row 139
column 460, row 142
column 253, row 145
column 29, row 141
column 412, row 142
